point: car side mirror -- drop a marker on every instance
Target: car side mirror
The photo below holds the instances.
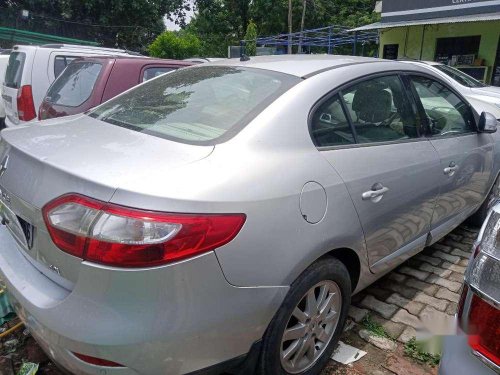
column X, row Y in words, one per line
column 487, row 123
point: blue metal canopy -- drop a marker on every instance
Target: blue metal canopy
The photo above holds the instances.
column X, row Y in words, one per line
column 328, row 37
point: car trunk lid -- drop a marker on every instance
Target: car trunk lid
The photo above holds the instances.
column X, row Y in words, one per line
column 80, row 155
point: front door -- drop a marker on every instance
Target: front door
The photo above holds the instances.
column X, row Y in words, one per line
column 466, row 156
column 369, row 133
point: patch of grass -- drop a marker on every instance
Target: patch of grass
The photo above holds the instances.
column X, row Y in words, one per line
column 414, row 350
column 370, row 325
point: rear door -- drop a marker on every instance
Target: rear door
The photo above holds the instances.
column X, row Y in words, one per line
column 466, row 156
column 370, row 133
column 11, row 85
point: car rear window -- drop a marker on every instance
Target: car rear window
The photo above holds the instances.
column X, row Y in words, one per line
column 151, row 73
column 199, row 105
column 14, row 72
column 75, row 85
column 61, row 62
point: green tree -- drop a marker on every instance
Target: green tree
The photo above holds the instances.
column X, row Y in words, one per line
column 251, row 39
column 220, row 23
column 129, row 24
column 216, row 27
column 175, row 45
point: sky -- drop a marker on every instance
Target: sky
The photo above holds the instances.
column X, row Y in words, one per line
column 172, row 26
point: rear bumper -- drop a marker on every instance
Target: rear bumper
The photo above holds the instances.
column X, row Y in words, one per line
column 175, row 319
column 458, row 358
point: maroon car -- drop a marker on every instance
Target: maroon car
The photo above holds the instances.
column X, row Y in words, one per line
column 90, row 81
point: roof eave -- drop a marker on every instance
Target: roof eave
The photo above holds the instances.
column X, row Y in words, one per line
column 429, row 21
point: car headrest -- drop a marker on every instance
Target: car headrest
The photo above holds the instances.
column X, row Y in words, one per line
column 372, row 103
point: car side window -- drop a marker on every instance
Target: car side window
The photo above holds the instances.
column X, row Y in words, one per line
column 60, row 63
column 155, row 72
column 329, row 125
column 380, row 110
column 447, row 114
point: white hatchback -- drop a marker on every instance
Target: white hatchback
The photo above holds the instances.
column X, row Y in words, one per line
column 30, row 72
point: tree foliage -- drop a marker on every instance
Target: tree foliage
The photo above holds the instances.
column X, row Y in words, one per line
column 130, row 24
column 220, row 23
column 134, row 24
column 251, row 39
column 175, row 45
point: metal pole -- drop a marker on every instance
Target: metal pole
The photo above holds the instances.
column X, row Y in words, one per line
column 330, row 40
column 422, row 42
column 289, row 49
column 354, row 45
column 406, row 40
column 242, row 48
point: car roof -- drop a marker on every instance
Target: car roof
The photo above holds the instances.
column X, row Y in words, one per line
column 298, row 65
column 76, row 48
column 135, row 59
column 420, row 62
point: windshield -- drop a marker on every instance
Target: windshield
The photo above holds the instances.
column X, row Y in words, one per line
column 75, row 85
column 200, row 105
column 459, row 76
column 14, row 71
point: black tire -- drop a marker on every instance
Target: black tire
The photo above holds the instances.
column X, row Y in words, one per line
column 327, row 269
column 478, row 218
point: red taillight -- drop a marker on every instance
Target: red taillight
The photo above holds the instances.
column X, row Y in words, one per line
column 125, row 237
column 96, row 361
column 25, row 104
column 484, row 329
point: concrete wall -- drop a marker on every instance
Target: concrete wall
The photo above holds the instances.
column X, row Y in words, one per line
column 489, row 31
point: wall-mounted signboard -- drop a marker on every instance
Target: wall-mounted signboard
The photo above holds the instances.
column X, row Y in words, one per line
column 403, row 10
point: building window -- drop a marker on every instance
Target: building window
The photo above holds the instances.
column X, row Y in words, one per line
column 391, row 51
column 457, row 46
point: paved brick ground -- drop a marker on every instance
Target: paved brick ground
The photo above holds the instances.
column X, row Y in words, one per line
column 426, row 285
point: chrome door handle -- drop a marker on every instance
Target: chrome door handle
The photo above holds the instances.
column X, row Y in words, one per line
column 372, row 194
column 451, row 169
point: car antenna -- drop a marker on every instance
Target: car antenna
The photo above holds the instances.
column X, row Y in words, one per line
column 244, row 58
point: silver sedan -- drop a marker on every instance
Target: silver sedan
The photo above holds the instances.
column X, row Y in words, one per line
column 219, row 218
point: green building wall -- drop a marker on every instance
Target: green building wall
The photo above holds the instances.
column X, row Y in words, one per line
column 411, row 46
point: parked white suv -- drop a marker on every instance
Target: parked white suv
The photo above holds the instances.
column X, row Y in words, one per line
column 4, row 59
column 30, row 72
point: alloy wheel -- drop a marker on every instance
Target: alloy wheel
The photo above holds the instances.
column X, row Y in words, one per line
column 311, row 327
